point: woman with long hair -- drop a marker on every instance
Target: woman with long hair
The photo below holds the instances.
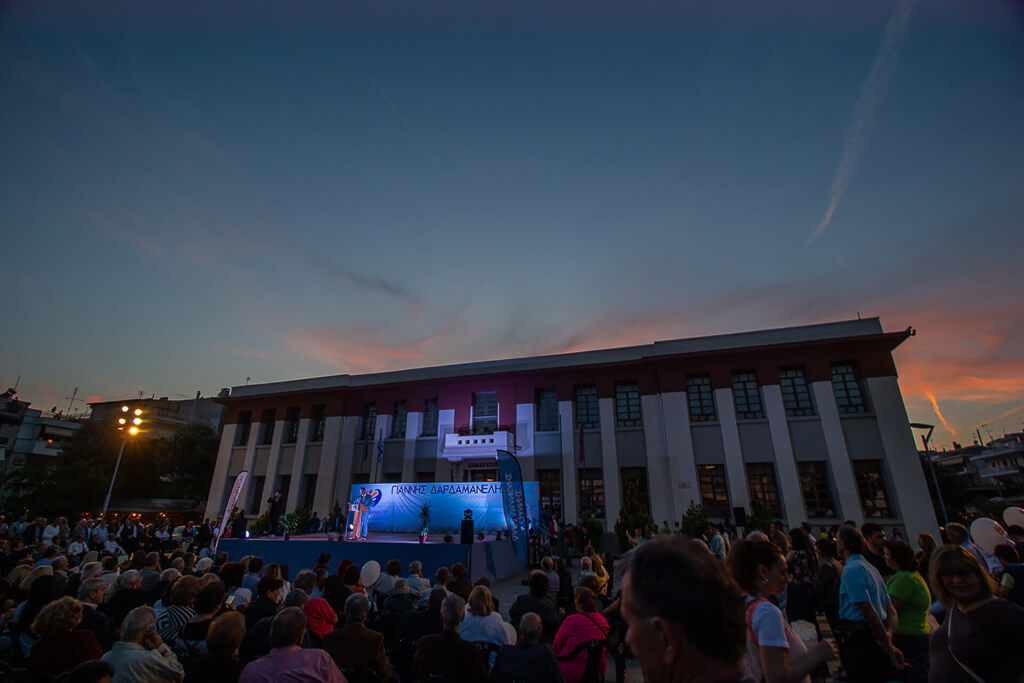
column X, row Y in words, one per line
column 981, row 636
column 61, row 647
column 775, row 653
column 585, row 625
column 802, row 565
column 909, row 595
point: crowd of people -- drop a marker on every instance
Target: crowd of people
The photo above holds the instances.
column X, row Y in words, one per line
column 127, row 602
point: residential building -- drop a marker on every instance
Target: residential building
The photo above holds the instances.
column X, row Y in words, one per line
column 161, row 416
column 810, row 420
column 28, row 434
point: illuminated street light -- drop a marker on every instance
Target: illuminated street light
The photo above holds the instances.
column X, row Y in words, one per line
column 132, row 431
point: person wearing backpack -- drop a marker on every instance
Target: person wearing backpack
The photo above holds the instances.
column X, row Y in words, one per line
column 775, row 653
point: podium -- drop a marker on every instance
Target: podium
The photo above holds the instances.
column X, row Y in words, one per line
column 354, row 523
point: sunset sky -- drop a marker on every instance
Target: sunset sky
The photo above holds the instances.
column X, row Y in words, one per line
column 192, row 196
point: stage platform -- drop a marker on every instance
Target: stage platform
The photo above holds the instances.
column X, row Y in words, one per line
column 495, row 559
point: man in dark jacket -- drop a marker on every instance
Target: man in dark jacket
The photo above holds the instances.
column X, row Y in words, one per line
column 91, row 594
column 536, row 601
column 529, row 660
column 446, row 654
column 353, row 646
column 129, row 595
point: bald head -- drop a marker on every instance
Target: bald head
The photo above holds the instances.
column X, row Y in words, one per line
column 531, row 627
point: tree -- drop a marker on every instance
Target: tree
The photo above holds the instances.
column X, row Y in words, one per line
column 760, row 516
column 695, row 521
column 185, row 461
column 632, row 515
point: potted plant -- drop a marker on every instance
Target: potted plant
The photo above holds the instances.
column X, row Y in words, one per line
column 424, row 521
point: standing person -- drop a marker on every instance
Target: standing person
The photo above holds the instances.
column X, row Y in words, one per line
column 980, row 638
column 276, row 509
column 684, row 612
column 958, row 535
column 909, row 596
column 802, row 564
column 927, row 544
column 775, row 653
column 141, row 655
column 717, row 544
column 1011, row 582
column 866, row 617
column 585, row 625
column 874, row 547
column 826, row 585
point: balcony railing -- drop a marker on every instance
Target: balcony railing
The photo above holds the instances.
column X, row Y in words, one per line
column 458, row 447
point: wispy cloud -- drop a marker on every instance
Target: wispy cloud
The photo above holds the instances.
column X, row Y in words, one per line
column 858, row 130
column 938, row 413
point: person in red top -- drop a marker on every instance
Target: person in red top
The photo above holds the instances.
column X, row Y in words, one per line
column 60, row 648
column 320, row 617
column 586, row 625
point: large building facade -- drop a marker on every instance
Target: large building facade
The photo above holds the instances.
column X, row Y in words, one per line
column 810, row 420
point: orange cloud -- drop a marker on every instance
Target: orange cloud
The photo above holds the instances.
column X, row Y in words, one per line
column 935, row 405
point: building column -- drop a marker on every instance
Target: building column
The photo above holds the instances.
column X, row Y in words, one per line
column 609, row 462
column 660, row 482
column 342, row 478
column 785, row 461
column 682, row 463
column 413, row 428
column 273, row 458
column 735, row 471
column 327, row 468
column 570, row 484
column 908, row 483
column 445, row 426
column 295, row 483
column 381, row 431
column 838, row 454
column 525, row 429
column 215, row 500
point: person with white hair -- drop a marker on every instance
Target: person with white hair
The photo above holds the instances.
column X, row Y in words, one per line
column 355, row 646
column 141, row 655
column 417, row 584
column 447, row 655
column 129, row 595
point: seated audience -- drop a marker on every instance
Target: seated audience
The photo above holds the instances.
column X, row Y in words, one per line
column 352, row 645
column 287, row 660
column 60, row 647
column 141, row 655
column 529, row 660
column 537, row 601
column 585, row 625
column 220, row 663
column 447, row 655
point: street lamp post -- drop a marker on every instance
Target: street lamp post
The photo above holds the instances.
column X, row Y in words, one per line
column 925, row 438
column 131, row 430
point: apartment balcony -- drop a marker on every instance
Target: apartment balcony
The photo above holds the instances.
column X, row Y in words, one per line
column 458, row 448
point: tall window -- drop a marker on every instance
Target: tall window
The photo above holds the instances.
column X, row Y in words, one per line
column 430, row 417
column 485, row 412
column 266, row 427
column 592, row 491
column 871, row 487
column 846, row 386
column 700, row 399
column 549, row 483
column 291, row 425
column 256, row 497
column 627, row 405
column 588, row 415
column 815, row 487
column 795, row 396
column 546, row 405
column 714, row 495
column 318, row 422
column 369, row 420
column 244, row 427
column 747, row 396
column 635, row 479
column 763, row 486
column 309, row 490
column 400, row 416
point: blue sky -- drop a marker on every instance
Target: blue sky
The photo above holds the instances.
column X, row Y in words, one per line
column 197, row 195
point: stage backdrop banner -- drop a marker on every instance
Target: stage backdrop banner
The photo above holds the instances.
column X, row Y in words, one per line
column 513, row 497
column 396, row 507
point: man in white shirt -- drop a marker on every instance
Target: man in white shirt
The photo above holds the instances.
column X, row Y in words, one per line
column 76, row 549
column 49, row 531
column 141, row 655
